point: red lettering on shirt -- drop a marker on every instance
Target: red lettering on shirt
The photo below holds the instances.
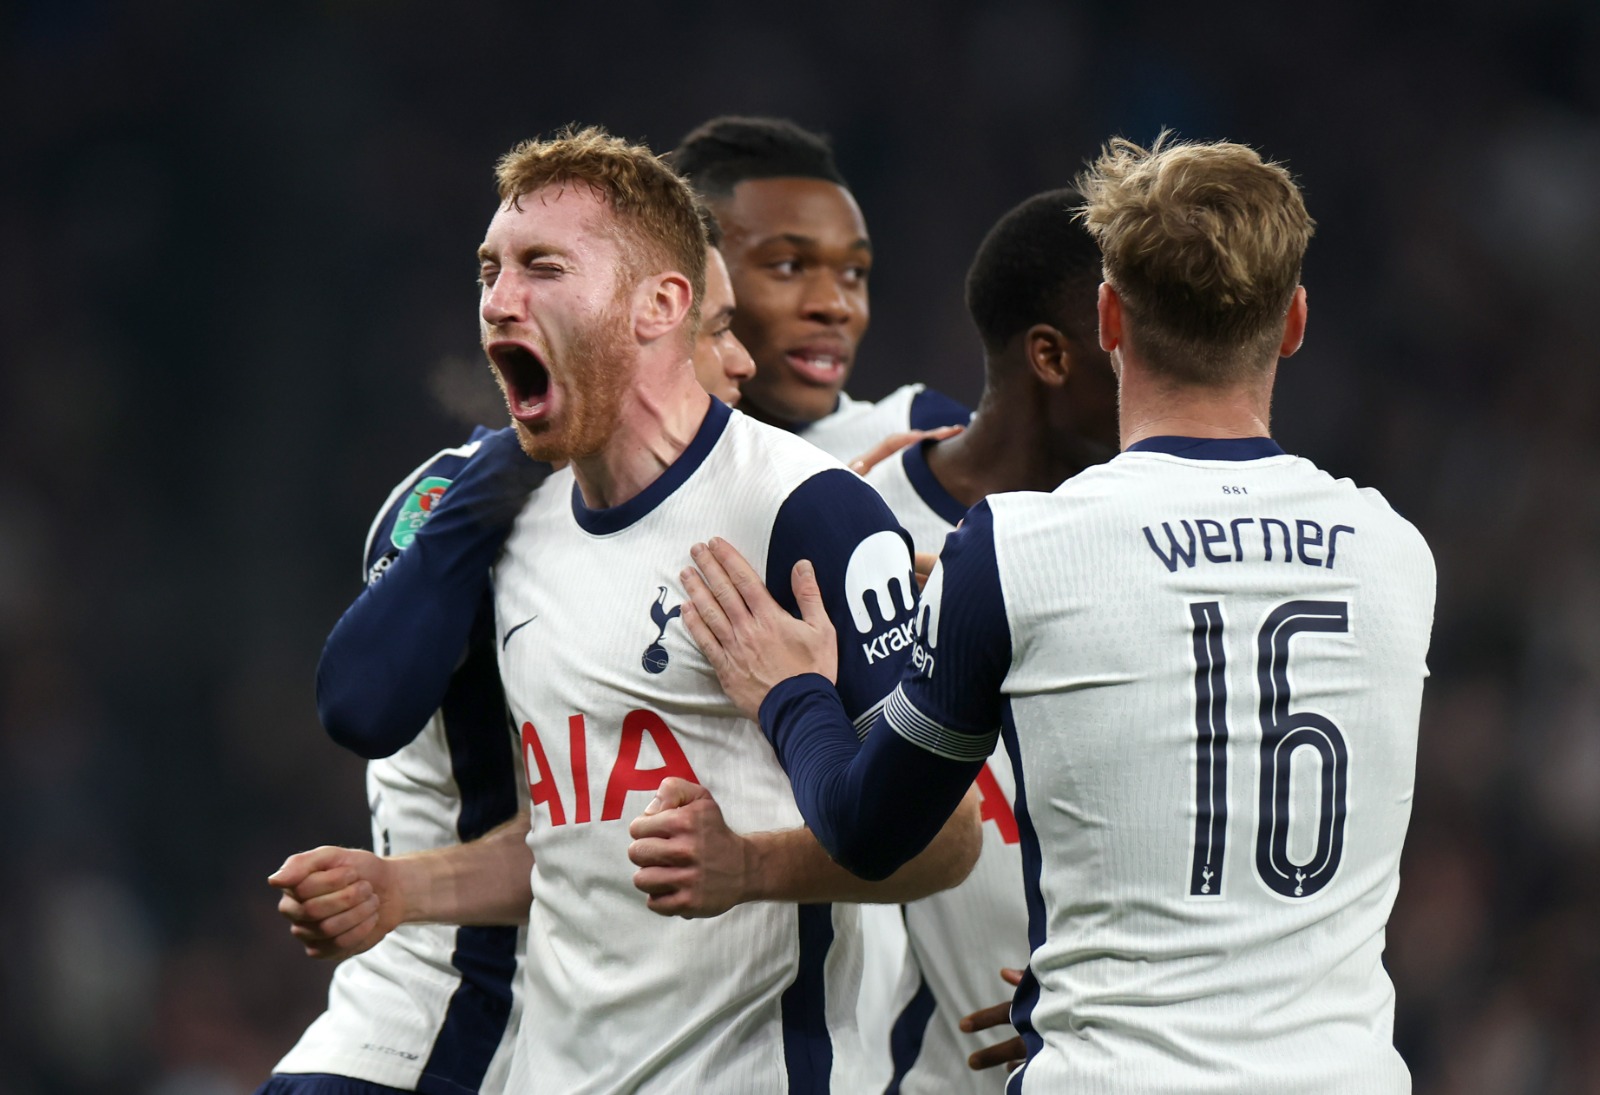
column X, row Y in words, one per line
column 628, row 776
column 545, row 789
column 992, row 806
column 579, row 743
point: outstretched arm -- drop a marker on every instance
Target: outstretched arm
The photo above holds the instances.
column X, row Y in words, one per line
column 342, row 901
column 875, row 807
column 388, row 661
column 693, row 865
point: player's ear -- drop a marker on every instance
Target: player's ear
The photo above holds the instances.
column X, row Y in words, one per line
column 1049, row 354
column 1110, row 307
column 661, row 305
column 1294, row 324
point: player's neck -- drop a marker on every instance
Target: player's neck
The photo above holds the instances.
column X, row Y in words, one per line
column 1152, row 406
column 1009, row 445
column 657, row 421
column 753, row 409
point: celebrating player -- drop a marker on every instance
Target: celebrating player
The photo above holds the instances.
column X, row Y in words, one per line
column 799, row 254
column 590, row 269
column 1206, row 658
column 429, row 1008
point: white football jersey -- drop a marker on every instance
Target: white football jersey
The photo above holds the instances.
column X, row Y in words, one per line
column 856, row 425
column 958, row 940
column 432, row 1008
column 611, row 696
column 1206, row 658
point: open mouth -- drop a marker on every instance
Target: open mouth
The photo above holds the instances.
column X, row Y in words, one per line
column 818, row 365
column 526, row 380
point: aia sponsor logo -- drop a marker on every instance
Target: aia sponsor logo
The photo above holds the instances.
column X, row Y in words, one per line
column 626, row 774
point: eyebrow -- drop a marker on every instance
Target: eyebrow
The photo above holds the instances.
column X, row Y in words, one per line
column 533, row 251
column 862, row 244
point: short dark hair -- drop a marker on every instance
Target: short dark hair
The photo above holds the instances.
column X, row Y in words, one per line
column 1038, row 264
column 708, row 221
column 722, row 153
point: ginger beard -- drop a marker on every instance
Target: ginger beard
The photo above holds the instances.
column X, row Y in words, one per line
column 594, row 372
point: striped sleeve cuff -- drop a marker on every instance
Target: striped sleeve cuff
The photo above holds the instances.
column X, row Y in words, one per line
column 904, row 719
column 864, row 721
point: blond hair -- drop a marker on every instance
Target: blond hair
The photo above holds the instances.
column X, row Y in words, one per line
column 657, row 216
column 1203, row 243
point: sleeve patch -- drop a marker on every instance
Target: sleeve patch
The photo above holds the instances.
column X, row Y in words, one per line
column 880, row 566
column 863, row 566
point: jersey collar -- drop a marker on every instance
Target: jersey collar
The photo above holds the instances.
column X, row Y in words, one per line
column 601, row 522
column 1210, row 448
column 928, row 488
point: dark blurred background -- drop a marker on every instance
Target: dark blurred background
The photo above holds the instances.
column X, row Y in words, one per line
column 236, row 271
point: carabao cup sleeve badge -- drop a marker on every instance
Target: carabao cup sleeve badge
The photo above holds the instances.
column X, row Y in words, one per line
column 418, row 507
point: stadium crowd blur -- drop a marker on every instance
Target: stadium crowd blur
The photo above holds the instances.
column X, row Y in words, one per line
column 237, row 303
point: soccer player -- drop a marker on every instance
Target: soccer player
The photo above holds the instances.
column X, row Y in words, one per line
column 431, row 1007
column 1206, row 658
column 591, row 269
column 799, row 254
column 1048, row 411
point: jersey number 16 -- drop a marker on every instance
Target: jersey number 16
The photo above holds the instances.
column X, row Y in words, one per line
column 1283, row 732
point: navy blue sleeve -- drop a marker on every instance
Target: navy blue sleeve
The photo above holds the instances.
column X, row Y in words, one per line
column 875, row 808
column 862, row 559
column 387, row 664
column 872, row 806
column 963, row 647
column 931, row 409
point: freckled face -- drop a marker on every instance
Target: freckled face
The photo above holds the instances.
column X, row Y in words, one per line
column 721, row 363
column 555, row 319
column 798, row 255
